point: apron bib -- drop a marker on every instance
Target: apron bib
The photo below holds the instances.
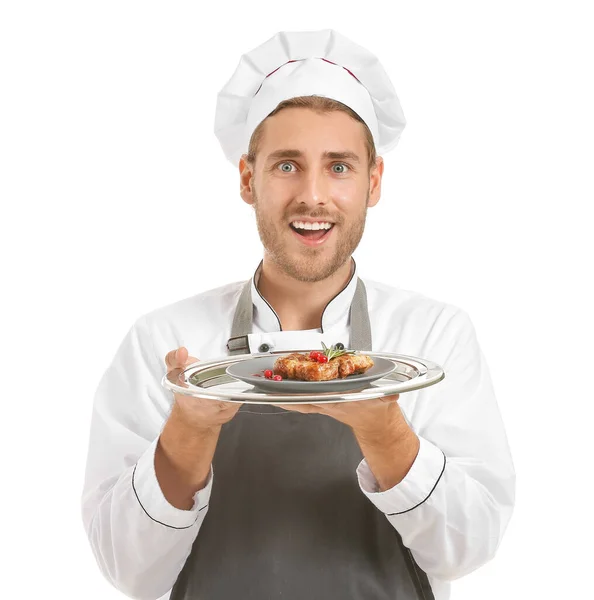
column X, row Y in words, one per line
column 286, row 517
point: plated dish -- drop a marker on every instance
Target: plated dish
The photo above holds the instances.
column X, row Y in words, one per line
column 329, row 370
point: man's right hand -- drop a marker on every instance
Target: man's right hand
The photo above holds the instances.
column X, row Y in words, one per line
column 200, row 414
column 188, row 441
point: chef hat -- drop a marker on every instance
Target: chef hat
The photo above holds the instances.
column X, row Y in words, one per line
column 304, row 63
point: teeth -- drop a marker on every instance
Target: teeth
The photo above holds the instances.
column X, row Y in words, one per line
column 314, row 226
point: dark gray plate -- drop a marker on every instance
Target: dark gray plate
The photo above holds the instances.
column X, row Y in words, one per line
column 247, row 369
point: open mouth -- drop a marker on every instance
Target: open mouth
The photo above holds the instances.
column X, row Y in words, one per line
column 312, row 232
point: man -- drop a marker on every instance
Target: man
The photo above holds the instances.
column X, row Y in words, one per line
column 389, row 498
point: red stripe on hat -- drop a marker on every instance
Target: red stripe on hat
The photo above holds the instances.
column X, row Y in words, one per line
column 277, row 68
column 299, row 59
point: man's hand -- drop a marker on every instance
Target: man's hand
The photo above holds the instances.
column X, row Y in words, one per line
column 368, row 418
column 199, row 414
column 188, row 441
column 389, row 445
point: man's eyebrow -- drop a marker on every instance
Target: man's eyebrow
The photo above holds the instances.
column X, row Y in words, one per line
column 285, row 153
column 291, row 153
column 342, row 155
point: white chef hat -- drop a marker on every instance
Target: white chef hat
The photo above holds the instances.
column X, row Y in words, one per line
column 290, row 64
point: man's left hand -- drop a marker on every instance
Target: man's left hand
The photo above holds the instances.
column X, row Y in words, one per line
column 389, row 445
column 368, row 418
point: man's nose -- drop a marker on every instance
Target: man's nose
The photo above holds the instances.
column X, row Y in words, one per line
column 314, row 189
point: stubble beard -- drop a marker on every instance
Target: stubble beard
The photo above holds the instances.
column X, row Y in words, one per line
column 310, row 264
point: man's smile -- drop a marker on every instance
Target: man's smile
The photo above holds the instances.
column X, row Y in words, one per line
column 311, row 233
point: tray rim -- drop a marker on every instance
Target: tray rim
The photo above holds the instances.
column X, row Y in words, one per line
column 431, row 374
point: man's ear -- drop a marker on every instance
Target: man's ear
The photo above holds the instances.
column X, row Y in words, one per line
column 375, row 181
column 245, row 180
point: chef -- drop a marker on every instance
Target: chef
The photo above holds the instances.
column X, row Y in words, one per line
column 392, row 498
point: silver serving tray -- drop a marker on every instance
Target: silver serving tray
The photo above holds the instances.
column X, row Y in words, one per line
column 210, row 380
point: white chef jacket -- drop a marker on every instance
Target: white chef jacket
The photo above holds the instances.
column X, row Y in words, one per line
column 451, row 509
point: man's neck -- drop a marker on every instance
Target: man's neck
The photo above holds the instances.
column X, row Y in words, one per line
column 300, row 304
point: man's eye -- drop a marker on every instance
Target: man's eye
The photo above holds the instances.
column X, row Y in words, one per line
column 343, row 168
column 286, row 167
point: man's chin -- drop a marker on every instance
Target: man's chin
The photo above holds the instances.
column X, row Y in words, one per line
column 311, row 269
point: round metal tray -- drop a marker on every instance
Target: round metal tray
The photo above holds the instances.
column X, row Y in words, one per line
column 209, row 380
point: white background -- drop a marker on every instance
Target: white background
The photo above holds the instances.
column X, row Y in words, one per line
column 116, row 200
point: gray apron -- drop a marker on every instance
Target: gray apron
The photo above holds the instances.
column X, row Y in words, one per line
column 286, row 517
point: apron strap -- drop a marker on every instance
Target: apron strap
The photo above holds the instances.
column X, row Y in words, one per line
column 359, row 316
column 242, row 321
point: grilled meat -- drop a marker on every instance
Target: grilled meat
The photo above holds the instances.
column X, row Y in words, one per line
column 299, row 366
column 353, row 364
column 285, row 366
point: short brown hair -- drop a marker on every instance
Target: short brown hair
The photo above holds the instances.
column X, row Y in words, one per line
column 320, row 104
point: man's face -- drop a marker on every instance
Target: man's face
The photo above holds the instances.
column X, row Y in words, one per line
column 311, row 171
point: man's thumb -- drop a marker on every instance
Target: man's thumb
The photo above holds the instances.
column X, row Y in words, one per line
column 181, row 355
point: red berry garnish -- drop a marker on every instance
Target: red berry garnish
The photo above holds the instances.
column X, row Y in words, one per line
column 277, row 378
column 322, row 358
column 268, row 374
column 313, row 355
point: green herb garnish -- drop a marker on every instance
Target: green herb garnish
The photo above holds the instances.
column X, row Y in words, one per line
column 334, row 352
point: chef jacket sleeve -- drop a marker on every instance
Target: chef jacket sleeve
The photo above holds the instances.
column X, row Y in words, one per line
column 453, row 506
column 139, row 540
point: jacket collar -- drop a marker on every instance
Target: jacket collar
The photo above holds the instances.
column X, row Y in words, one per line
column 336, row 311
